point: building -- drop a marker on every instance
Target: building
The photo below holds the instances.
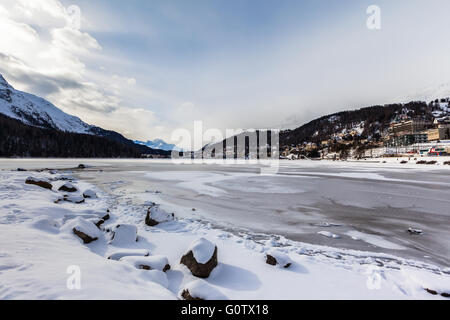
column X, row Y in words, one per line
column 407, row 139
column 408, row 126
column 438, row 134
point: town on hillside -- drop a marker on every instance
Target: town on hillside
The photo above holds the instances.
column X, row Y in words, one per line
column 406, row 136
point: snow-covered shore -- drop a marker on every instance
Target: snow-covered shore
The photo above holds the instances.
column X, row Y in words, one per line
column 39, row 253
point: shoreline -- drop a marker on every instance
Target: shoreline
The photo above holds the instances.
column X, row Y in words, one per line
column 242, row 272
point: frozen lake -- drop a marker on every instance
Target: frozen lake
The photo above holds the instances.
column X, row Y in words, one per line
column 363, row 206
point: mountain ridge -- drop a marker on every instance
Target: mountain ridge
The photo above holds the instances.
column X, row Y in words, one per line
column 37, row 112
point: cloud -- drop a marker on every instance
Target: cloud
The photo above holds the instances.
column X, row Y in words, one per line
column 41, row 52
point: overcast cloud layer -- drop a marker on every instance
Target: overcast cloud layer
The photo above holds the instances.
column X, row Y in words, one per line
column 144, row 68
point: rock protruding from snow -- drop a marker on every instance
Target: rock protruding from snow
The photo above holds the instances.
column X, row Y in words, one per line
column 43, row 183
column 415, row 231
column 117, row 255
column 148, row 263
column 84, row 229
column 71, row 198
column 68, row 187
column 201, row 258
column 89, row 194
column 277, row 258
column 200, row 290
column 124, row 234
column 156, row 215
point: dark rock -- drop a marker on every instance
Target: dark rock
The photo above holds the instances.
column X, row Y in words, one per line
column 67, row 188
column 83, row 236
column 21, row 169
column 445, row 294
column 106, row 217
column 199, row 269
column 404, row 162
column 81, row 166
column 271, row 260
column 187, row 296
column 433, row 292
column 415, row 231
column 166, row 268
column 148, row 219
column 421, row 162
column 99, row 223
column 40, row 183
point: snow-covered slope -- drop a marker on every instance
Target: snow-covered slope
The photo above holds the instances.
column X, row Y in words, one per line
column 158, row 144
column 36, row 111
column 430, row 94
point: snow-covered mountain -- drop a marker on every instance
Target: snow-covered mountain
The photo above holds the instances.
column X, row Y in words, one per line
column 36, row 111
column 429, row 94
column 158, row 144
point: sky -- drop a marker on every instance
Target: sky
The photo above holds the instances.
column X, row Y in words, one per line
column 146, row 68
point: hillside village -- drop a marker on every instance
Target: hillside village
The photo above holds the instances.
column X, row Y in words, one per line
column 414, row 129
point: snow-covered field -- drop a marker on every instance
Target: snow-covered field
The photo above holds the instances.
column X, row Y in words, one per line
column 41, row 257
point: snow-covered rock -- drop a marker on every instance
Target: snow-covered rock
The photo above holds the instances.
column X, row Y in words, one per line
column 277, row 258
column 89, row 194
column 43, row 183
column 124, row 234
column 68, row 187
column 71, row 198
column 119, row 254
column 156, row 215
column 200, row 290
column 84, row 229
column 148, row 263
column 201, row 258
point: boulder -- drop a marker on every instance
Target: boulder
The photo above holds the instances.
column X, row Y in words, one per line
column 200, row 290
column 21, row 169
column 415, row 231
column 83, row 236
column 186, row 295
column 84, row 229
column 81, row 166
column 124, row 234
column 106, row 217
column 43, row 183
column 201, row 258
column 71, row 198
column 67, row 187
column 156, row 215
column 277, row 258
column 89, row 194
column 148, row 262
column 99, row 223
